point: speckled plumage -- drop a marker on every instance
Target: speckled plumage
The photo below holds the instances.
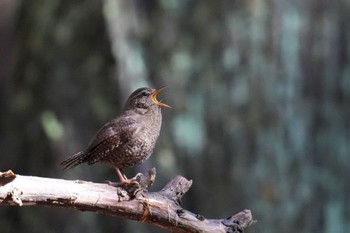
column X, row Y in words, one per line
column 129, row 139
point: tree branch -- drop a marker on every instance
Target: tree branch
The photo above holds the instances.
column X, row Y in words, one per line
column 158, row 208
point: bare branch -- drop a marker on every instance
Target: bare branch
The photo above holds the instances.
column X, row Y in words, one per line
column 158, row 208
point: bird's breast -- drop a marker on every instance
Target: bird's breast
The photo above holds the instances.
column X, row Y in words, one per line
column 141, row 139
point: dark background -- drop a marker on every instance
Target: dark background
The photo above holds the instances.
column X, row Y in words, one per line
column 260, row 92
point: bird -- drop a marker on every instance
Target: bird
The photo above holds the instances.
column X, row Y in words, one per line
column 128, row 139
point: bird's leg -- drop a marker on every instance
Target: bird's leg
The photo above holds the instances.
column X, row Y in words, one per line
column 121, row 176
column 123, row 179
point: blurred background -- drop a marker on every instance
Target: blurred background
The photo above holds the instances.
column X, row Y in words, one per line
column 260, row 92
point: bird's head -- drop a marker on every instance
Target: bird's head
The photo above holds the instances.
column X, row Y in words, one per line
column 144, row 99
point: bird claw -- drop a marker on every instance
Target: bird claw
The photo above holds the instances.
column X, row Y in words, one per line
column 114, row 184
column 140, row 192
column 126, row 183
column 138, row 184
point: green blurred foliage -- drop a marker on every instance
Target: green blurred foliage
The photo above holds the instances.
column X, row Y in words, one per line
column 260, row 92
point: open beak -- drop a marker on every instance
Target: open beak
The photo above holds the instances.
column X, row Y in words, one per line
column 154, row 98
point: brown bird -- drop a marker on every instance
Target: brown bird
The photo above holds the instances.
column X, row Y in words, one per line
column 127, row 140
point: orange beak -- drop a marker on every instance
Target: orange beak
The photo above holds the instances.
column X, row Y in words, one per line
column 154, row 98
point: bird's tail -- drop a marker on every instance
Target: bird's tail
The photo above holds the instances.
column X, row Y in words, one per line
column 73, row 161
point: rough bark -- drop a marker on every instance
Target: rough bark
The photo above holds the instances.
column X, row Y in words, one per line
column 160, row 208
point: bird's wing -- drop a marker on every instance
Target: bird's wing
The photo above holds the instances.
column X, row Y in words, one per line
column 111, row 136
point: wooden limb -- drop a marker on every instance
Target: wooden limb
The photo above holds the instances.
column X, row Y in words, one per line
column 158, row 208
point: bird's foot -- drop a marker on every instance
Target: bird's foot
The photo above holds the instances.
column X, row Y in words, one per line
column 138, row 184
column 140, row 192
column 131, row 184
column 124, row 183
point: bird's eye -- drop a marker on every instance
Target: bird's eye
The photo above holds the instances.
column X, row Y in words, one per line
column 145, row 93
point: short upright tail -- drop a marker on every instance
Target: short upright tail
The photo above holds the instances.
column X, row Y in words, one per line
column 73, row 161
